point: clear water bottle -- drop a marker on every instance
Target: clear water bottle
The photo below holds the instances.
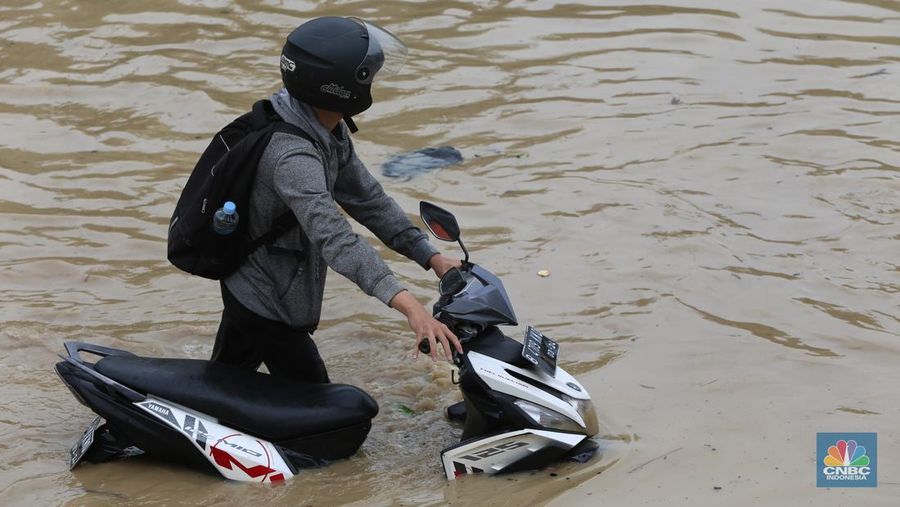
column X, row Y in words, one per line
column 225, row 221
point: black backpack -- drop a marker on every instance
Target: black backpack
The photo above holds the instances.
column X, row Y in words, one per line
column 226, row 172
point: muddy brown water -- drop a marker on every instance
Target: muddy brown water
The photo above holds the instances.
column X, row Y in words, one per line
column 713, row 187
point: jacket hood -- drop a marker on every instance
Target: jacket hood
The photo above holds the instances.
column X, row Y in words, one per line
column 302, row 115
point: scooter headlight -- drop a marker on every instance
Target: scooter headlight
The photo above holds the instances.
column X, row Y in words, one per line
column 585, row 409
column 547, row 417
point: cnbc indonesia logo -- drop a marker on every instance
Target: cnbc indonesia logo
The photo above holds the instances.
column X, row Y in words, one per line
column 846, row 462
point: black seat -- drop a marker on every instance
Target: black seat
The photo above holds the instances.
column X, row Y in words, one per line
column 272, row 408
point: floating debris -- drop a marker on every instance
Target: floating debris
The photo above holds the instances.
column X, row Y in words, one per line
column 403, row 409
column 497, row 152
column 413, row 163
column 675, row 100
column 879, row 72
column 543, row 273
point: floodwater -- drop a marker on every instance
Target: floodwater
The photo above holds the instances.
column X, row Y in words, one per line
column 713, row 187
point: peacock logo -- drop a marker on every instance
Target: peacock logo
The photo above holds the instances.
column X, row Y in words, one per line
column 846, row 453
column 846, row 460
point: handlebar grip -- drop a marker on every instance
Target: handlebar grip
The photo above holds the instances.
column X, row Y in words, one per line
column 424, row 346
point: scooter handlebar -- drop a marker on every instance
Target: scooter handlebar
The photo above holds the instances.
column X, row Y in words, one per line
column 425, row 348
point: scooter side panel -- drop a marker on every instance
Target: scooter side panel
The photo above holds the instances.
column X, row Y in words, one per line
column 235, row 455
column 504, row 452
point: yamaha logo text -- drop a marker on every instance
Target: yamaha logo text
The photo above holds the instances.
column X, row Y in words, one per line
column 156, row 408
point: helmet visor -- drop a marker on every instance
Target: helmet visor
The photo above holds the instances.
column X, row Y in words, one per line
column 386, row 53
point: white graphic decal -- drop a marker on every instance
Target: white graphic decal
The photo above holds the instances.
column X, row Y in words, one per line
column 235, row 455
column 287, row 64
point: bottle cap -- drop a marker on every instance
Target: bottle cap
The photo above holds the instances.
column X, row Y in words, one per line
column 229, row 208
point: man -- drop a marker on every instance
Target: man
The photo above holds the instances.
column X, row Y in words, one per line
column 273, row 301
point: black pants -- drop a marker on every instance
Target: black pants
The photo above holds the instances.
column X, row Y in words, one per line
column 247, row 340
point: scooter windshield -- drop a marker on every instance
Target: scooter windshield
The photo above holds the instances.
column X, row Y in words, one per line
column 483, row 300
column 386, row 53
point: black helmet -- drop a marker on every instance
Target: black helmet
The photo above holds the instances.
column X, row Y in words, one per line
column 329, row 62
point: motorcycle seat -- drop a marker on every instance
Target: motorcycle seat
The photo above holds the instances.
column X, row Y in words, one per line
column 259, row 404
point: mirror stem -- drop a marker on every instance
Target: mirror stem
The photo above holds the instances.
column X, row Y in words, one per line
column 464, row 250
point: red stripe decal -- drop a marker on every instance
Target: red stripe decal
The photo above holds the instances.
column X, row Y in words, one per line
column 225, row 460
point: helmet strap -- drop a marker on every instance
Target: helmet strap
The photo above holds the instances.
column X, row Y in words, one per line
column 350, row 124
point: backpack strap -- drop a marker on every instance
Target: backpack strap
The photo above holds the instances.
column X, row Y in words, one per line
column 285, row 222
column 263, row 113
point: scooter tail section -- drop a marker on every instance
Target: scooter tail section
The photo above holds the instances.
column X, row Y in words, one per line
column 233, row 454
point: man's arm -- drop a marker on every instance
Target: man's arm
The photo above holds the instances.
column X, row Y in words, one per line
column 300, row 182
column 360, row 194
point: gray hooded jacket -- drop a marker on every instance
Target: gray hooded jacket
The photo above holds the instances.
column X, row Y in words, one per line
column 285, row 281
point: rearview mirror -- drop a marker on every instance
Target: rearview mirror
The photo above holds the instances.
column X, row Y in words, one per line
column 439, row 221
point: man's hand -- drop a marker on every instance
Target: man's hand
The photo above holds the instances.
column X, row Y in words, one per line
column 425, row 326
column 441, row 264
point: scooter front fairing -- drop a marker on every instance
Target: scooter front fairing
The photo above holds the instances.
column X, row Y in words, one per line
column 511, row 451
